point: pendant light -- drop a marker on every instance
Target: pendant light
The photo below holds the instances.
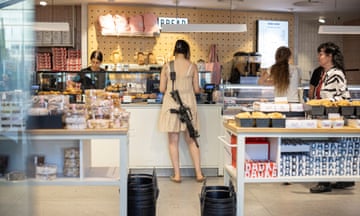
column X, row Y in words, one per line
column 339, row 29
column 181, row 28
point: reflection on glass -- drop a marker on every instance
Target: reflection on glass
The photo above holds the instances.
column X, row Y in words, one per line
column 16, row 70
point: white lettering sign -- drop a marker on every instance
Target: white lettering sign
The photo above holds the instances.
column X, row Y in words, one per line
column 170, row 20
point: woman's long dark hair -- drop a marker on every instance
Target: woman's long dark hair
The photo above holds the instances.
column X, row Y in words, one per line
column 183, row 47
column 280, row 70
column 337, row 57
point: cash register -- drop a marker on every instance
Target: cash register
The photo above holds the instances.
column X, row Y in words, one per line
column 209, row 88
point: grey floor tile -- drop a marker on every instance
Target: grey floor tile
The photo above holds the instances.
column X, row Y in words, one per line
column 267, row 199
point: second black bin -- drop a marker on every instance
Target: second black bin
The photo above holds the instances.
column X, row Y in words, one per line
column 218, row 200
column 143, row 192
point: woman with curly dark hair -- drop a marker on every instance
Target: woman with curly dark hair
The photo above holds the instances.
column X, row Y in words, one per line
column 332, row 85
column 283, row 76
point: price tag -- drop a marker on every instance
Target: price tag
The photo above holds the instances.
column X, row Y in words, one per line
column 126, row 99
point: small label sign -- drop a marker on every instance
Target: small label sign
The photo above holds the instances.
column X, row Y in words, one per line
column 171, row 20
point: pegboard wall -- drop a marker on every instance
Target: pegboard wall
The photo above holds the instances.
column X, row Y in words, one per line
column 227, row 43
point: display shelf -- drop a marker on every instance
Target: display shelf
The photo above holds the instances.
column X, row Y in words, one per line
column 88, row 175
column 232, row 173
column 275, row 135
column 133, row 34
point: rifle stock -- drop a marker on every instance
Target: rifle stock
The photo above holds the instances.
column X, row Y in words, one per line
column 185, row 116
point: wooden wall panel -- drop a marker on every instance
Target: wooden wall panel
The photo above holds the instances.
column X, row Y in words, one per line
column 228, row 43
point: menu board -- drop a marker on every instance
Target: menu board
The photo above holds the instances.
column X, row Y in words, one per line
column 271, row 34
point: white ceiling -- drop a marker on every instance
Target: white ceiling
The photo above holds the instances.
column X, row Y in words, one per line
column 341, row 9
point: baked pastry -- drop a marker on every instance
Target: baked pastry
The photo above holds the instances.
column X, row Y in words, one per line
column 243, row 115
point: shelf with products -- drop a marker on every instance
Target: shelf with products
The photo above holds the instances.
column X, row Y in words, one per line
column 113, row 80
column 345, row 139
column 133, row 82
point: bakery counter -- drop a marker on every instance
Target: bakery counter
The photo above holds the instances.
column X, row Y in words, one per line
column 148, row 147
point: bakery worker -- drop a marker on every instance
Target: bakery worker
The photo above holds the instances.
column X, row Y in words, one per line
column 93, row 76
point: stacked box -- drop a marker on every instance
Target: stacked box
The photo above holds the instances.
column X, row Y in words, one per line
column 73, row 61
column 46, row 172
column 13, row 110
column 255, row 149
column 323, row 158
column 59, row 59
column 43, row 61
column 71, row 162
column 260, row 169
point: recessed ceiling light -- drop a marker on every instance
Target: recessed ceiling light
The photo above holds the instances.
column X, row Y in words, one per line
column 43, row 3
column 322, row 19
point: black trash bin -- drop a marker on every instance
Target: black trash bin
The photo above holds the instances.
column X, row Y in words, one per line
column 143, row 192
column 4, row 161
column 218, row 200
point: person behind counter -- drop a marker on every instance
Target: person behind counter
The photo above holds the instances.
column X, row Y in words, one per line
column 283, row 76
column 332, row 85
column 187, row 83
column 93, row 77
column 239, row 67
column 314, row 81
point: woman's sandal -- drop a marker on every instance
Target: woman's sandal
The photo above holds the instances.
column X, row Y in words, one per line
column 173, row 179
column 202, row 179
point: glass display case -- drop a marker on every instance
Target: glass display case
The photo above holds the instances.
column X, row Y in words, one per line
column 238, row 97
column 137, row 82
column 353, row 89
column 116, row 81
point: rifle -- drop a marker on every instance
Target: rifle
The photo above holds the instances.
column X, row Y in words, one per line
column 185, row 116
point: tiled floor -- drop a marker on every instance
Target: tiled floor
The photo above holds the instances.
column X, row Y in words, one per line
column 269, row 199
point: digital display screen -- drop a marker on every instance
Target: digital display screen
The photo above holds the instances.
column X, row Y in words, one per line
column 209, row 86
column 271, row 34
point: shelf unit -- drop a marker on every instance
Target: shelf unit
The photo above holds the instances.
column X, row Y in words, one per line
column 82, row 136
column 275, row 135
